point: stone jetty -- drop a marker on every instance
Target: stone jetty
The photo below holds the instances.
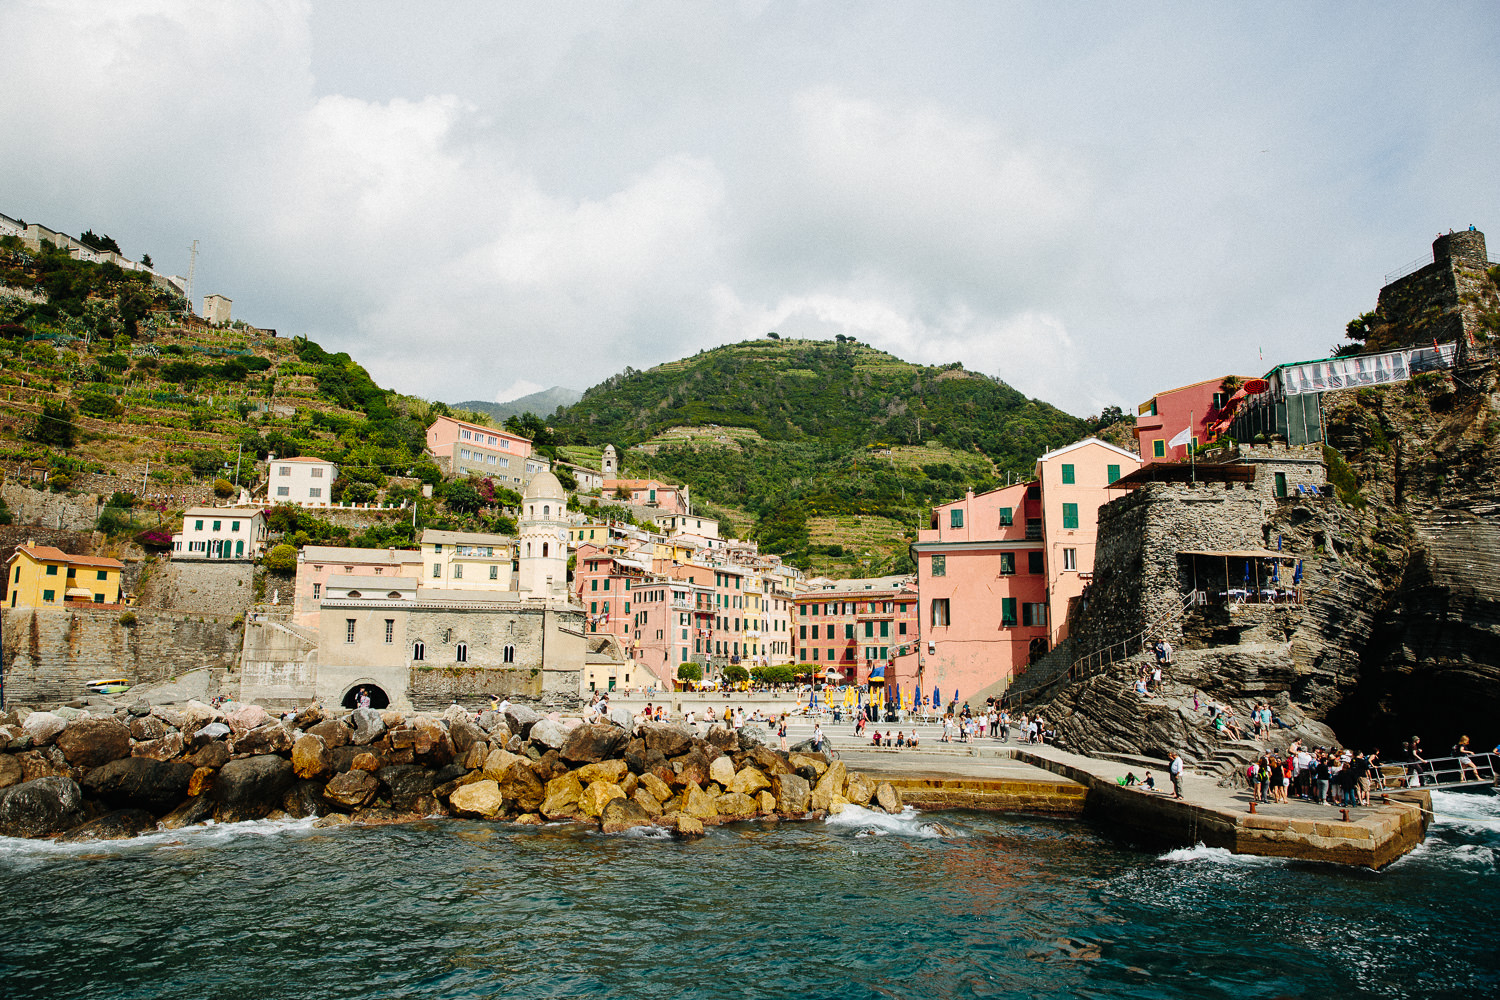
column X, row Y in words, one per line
column 77, row 776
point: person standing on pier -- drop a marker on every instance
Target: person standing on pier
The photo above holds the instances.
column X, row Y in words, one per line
column 1175, row 770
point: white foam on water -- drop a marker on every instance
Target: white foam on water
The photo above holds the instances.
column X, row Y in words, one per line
column 1473, row 810
column 189, row 837
column 1215, row 855
column 869, row 823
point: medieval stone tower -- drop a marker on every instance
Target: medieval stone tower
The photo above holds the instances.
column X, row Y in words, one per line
column 542, row 538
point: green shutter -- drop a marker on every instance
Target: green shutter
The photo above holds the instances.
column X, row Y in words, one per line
column 1067, row 475
column 1008, row 611
column 1114, row 473
column 1070, row 515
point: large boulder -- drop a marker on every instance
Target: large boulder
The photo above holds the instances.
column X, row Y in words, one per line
column 332, row 732
column 522, row 789
column 698, row 804
column 212, row 755
column 721, row 770
column 769, row 761
column 272, row 737
column 549, row 734
column 657, row 788
column 303, row 799
column 10, row 771
column 368, row 726
column 121, row 824
column 724, row 739
column 860, row 789
column 40, row 808
column 479, row 799
column 608, row 770
column 250, row 787
column 619, row 815
column 666, row 739
column 648, row 802
column 521, row 719
column 140, row 782
column 207, row 733
column 493, row 724
column 310, row 757
column 454, row 714
column 247, row 717
column 690, row 768
column 173, row 717
column 169, row 747
column 47, row 762
column 562, row 794
column 748, row 781
column 409, row 787
column 793, row 793
column 309, row 716
column 433, row 746
column 736, row 804
column 43, row 727
column 350, row 790
column 592, row 742
column 598, row 795
column 753, row 734
column 147, row 727
column 464, row 734
column 829, row 785
column 888, row 797
column 501, row 761
column 623, row 718
column 199, row 809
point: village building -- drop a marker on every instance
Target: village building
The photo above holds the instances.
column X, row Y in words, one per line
column 303, row 480
column 649, row 493
column 855, row 630
column 463, row 560
column 317, row 565
column 477, row 450
column 237, row 533
column 41, row 576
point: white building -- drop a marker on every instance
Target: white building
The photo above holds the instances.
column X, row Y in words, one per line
column 304, row 481
column 462, row 560
column 542, row 538
column 220, row 533
column 216, row 309
column 687, row 524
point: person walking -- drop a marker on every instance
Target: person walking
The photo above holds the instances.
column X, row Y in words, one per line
column 1175, row 770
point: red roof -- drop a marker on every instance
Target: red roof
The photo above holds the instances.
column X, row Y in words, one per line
column 47, row 553
column 306, row 458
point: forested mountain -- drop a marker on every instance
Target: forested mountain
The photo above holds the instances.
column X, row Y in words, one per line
column 543, row 403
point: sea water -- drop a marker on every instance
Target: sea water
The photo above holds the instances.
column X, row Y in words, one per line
column 863, row 905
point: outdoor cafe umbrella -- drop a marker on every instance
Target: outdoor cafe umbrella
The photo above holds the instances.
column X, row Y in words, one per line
column 896, row 700
column 1297, row 575
column 937, row 697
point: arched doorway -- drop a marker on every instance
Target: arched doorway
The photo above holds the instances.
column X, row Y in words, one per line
column 378, row 697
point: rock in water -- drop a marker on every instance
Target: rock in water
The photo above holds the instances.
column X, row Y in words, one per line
column 121, row 824
column 250, row 787
column 351, row 789
column 40, row 808
column 829, row 785
column 593, row 742
column 689, row 826
column 305, row 798
column 598, row 795
column 310, row 758
column 888, row 797
column 697, row 803
column 860, row 789
column 620, row 815
column 748, row 781
column 478, row 799
column 658, row 789
column 792, row 792
column 368, row 726
column 737, row 805
column 562, row 796
column 410, row 787
column 140, row 782
column 647, row 802
column 190, row 813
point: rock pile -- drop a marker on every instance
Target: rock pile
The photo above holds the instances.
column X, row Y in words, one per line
column 83, row 776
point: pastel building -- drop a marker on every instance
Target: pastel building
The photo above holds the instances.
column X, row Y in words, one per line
column 305, row 481
column 463, row 560
column 220, row 533
column 41, row 576
column 649, row 493
column 473, row 449
column 1167, row 414
column 857, row 628
column 320, row 566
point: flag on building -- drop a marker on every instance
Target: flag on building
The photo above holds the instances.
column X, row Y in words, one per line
column 1184, row 437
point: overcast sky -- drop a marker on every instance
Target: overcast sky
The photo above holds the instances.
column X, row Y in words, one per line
column 1092, row 201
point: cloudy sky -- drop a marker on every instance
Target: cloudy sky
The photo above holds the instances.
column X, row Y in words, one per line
column 1091, row 201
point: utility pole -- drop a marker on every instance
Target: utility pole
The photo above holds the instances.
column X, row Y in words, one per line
column 192, row 271
column 237, row 455
column 143, row 477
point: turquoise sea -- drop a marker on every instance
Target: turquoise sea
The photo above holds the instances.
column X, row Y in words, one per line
column 864, row 905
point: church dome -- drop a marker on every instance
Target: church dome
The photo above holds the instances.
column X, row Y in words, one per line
column 544, row 485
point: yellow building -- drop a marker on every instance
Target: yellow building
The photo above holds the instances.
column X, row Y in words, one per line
column 40, row 576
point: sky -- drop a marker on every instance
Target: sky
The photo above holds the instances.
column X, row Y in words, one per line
column 1090, row 201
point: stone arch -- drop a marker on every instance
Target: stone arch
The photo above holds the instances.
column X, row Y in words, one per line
column 378, row 697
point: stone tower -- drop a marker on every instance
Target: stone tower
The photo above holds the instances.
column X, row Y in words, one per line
column 542, row 538
column 1444, row 300
column 610, row 463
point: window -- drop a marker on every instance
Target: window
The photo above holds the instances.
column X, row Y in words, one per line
column 101, row 575
column 1034, row 615
column 885, row 630
column 462, row 652
column 940, row 611
column 1070, row 516
column 869, row 630
column 804, row 632
column 98, row 598
column 51, row 570
column 1219, row 398
column 1281, row 484
column 1007, row 612
column 49, row 595
column 901, row 628
column 281, row 491
column 458, row 571
column 494, row 572
column 509, row 654
column 1159, row 448
column 956, row 518
column 419, row 650
column 1006, row 517
column 830, row 631
column 1007, row 564
column 939, row 565
column 390, row 630
column 849, row 631
column 1034, row 564
column 285, row 470
column 317, row 591
column 437, row 570
column 315, row 493
column 1070, row 559
column 1067, row 475
column 348, row 629
column 1112, row 474
column 316, row 473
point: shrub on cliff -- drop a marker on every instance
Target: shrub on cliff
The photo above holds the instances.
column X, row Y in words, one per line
column 282, row 558
column 223, row 488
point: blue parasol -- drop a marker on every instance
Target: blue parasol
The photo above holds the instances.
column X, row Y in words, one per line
column 937, row 697
column 898, row 694
column 1297, row 576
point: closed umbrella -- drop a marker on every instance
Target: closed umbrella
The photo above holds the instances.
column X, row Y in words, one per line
column 1297, row 575
column 897, row 698
column 937, row 698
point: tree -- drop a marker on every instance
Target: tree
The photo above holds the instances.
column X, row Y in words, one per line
column 54, row 426
column 146, row 261
column 689, row 672
column 223, row 488
column 282, row 558
column 736, row 674
column 101, row 243
column 462, row 497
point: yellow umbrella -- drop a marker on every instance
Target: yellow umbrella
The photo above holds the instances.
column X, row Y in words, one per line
column 849, row 697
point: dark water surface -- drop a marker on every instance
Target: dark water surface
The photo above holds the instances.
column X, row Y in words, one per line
column 863, row 906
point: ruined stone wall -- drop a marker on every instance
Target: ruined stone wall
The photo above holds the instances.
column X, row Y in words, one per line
column 50, row 655
column 278, row 664
column 203, row 588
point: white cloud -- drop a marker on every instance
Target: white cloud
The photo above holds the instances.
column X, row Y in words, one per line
column 517, row 389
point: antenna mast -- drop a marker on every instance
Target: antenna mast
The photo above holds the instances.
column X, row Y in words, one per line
column 192, row 270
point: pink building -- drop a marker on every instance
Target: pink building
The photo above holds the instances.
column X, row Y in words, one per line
column 473, row 449
column 650, row 493
column 1167, row 414
column 858, row 627
column 997, row 571
column 317, row 564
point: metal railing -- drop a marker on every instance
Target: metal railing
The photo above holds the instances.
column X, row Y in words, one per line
column 1087, row 666
column 1469, row 770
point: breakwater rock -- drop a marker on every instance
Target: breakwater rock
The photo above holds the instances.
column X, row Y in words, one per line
column 81, row 776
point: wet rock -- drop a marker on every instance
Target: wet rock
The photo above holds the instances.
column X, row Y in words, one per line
column 122, row 824
column 409, row 788
column 305, row 798
column 736, row 805
column 379, row 816
column 269, row 738
column 829, row 785
column 793, row 793
column 190, row 813
column 721, row 771
column 593, row 742
column 562, row 794
column 10, row 771
column 620, row 815
column 147, row 727
column 368, row 726
column 310, row 758
column 139, row 782
column 479, row 799
column 522, row 789
column 689, row 826
column 40, row 808
column 748, row 781
column 888, row 797
column 666, row 739
column 202, row 781
column 607, row 770
column 332, row 732
column 860, row 789
column 598, row 795
column 43, row 727
column 766, row 803
column 213, row 755
column 529, row 819
column 837, row 804
column 249, row 787
column 521, row 720
column 351, row 790
column 330, row 821
column 548, row 734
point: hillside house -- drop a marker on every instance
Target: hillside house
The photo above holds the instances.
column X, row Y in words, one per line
column 41, row 576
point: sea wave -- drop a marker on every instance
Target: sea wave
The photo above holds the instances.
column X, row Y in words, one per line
column 210, row 834
column 862, row 822
column 1474, row 810
column 1216, row 855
